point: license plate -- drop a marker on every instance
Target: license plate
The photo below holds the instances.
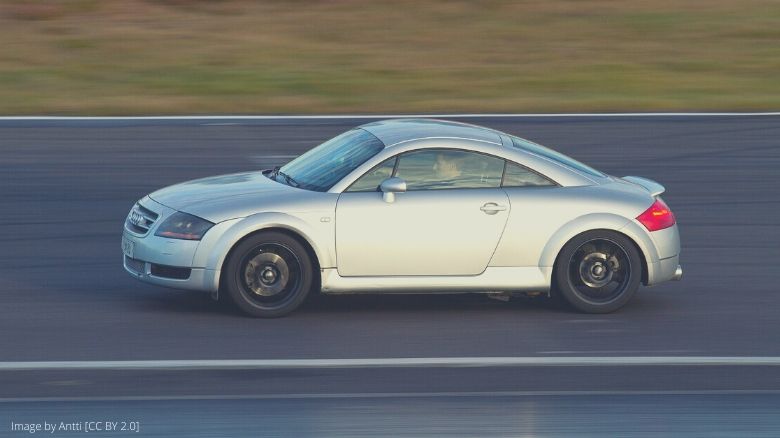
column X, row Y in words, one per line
column 128, row 246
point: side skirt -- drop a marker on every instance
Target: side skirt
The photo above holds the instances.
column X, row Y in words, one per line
column 503, row 279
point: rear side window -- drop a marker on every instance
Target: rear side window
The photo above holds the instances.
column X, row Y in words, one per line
column 519, row 176
column 555, row 156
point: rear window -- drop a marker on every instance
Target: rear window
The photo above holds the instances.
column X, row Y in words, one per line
column 555, row 156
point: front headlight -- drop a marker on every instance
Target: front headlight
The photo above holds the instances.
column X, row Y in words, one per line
column 183, row 226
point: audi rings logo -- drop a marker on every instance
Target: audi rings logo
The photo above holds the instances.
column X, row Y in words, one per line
column 137, row 219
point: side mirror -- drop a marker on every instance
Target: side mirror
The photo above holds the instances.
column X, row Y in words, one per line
column 390, row 187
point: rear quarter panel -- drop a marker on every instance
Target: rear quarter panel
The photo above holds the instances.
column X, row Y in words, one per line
column 542, row 220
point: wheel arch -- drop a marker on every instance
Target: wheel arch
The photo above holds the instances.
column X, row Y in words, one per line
column 642, row 257
column 593, row 222
column 216, row 253
column 299, row 237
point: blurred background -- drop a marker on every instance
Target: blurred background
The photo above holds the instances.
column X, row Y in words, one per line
column 134, row 57
column 66, row 186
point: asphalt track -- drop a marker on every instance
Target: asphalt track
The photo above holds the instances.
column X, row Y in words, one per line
column 67, row 186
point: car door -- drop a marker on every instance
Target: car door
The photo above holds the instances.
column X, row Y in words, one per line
column 448, row 222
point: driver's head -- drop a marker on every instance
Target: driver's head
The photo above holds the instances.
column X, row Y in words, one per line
column 446, row 167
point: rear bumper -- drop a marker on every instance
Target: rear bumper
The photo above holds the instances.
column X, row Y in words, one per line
column 661, row 250
column 664, row 270
column 667, row 266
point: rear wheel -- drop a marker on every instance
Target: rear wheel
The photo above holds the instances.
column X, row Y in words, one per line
column 268, row 275
column 598, row 271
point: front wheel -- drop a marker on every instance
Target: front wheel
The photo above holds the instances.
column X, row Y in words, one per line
column 598, row 271
column 268, row 275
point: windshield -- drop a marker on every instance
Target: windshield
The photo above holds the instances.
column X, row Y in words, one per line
column 555, row 156
column 322, row 167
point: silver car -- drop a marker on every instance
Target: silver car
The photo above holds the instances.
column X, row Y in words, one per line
column 408, row 206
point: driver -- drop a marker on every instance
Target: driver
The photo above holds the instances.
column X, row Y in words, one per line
column 446, row 167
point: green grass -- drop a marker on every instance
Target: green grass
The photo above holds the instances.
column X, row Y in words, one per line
column 342, row 56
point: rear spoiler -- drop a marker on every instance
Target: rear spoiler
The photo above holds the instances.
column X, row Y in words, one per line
column 651, row 186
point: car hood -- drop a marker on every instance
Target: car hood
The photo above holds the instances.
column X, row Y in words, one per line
column 191, row 196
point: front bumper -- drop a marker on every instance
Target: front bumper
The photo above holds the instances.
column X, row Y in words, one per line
column 164, row 261
column 199, row 279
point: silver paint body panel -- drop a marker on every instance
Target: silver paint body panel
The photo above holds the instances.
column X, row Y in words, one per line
column 427, row 232
column 424, row 241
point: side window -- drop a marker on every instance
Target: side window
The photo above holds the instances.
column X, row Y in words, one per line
column 435, row 169
column 370, row 181
column 519, row 176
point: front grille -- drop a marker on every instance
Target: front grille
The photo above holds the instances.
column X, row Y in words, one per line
column 136, row 266
column 170, row 272
column 140, row 219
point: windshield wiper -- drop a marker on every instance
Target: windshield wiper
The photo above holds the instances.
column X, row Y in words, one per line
column 276, row 171
column 290, row 180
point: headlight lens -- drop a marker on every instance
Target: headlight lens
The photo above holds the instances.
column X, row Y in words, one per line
column 183, row 226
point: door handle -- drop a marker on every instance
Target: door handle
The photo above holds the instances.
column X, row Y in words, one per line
column 492, row 208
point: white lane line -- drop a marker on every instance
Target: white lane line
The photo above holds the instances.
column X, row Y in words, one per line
column 634, row 352
column 381, row 116
column 570, row 361
column 381, row 395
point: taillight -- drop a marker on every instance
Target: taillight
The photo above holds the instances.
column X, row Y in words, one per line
column 657, row 217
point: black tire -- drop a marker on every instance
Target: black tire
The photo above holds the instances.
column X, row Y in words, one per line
column 598, row 271
column 268, row 275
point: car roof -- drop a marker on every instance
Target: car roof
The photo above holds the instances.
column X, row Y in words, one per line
column 394, row 131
